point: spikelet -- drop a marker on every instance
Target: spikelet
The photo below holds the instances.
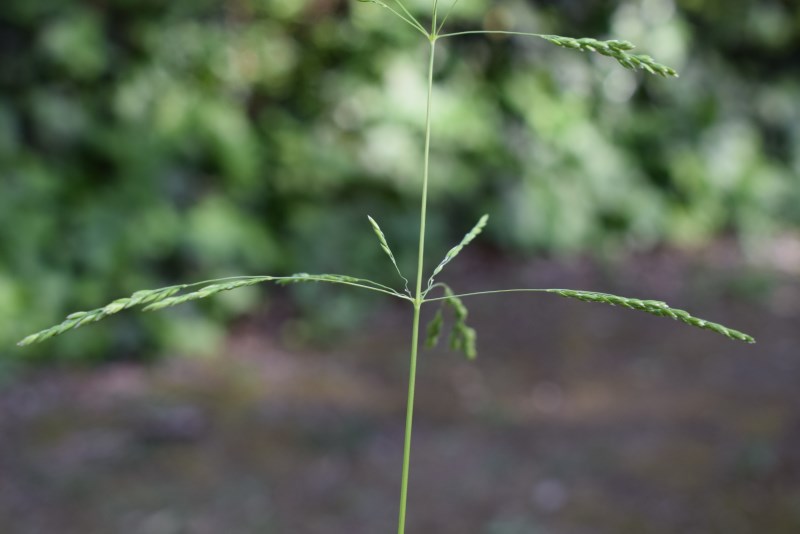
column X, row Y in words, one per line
column 654, row 307
column 387, row 250
column 453, row 252
column 434, row 329
column 615, row 49
column 78, row 319
column 207, row 291
column 462, row 337
column 165, row 297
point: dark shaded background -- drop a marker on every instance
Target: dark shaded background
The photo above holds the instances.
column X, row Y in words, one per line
column 143, row 143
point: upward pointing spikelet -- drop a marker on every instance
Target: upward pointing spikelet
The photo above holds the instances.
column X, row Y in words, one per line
column 616, row 49
column 387, row 250
column 453, row 252
column 654, row 307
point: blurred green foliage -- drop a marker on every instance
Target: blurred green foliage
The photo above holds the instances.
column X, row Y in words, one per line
column 144, row 142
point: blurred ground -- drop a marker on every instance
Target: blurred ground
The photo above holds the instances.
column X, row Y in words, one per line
column 576, row 418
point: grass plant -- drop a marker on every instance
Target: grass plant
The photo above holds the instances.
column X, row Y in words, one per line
column 462, row 336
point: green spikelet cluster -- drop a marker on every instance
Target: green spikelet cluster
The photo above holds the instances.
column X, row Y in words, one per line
column 462, row 337
column 616, row 49
column 453, row 252
column 78, row 319
column 434, row 329
column 654, row 307
column 205, row 292
column 385, row 246
column 166, row 297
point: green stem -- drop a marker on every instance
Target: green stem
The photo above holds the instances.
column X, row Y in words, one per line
column 411, row 17
column 446, row 15
column 412, row 377
column 425, row 172
column 418, row 299
column 411, row 21
column 490, row 32
column 526, row 290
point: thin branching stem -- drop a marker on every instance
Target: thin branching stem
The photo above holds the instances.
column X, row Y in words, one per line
column 495, row 32
column 446, row 16
column 431, row 288
column 361, row 282
column 487, row 293
column 312, row 278
column 414, row 23
column 411, row 18
column 375, row 285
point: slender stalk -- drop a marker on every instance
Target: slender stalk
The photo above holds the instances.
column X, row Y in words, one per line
column 412, row 378
column 418, row 299
column 410, row 21
column 476, row 293
column 390, row 292
column 490, row 32
column 359, row 282
column 425, row 173
column 411, row 17
column 446, row 16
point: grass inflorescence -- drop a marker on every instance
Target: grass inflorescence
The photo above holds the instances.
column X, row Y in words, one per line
column 205, row 292
column 385, row 246
column 616, row 49
column 78, row 319
column 453, row 252
column 654, row 307
column 462, row 336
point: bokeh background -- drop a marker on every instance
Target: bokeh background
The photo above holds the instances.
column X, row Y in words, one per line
column 145, row 142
